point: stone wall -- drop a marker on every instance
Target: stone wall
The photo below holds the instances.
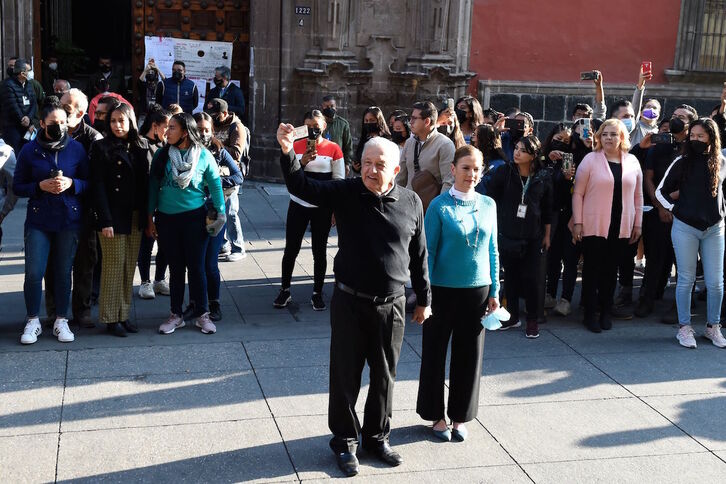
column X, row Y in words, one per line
column 16, row 30
column 550, row 103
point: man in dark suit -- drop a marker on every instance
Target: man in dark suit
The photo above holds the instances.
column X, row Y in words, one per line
column 224, row 89
column 115, row 78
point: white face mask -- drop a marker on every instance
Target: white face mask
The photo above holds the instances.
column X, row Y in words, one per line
column 53, row 66
column 30, row 74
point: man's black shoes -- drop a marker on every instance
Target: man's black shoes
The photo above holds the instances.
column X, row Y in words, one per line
column 385, row 454
column 348, row 463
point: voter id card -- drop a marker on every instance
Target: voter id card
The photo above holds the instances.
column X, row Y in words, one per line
column 300, row 132
column 521, row 211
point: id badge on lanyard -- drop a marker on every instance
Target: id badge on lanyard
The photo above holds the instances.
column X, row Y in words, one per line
column 522, row 207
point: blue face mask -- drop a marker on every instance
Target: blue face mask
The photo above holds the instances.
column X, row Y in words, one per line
column 493, row 321
column 628, row 122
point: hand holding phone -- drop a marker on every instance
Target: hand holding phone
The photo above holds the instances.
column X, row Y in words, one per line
column 514, row 124
column 588, row 76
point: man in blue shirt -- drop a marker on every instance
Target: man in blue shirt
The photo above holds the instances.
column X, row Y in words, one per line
column 177, row 89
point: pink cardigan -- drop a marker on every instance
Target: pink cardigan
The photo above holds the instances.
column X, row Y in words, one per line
column 592, row 197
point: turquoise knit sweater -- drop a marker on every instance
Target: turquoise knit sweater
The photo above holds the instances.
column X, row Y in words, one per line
column 453, row 262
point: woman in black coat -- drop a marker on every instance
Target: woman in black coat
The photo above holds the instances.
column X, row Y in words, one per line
column 120, row 180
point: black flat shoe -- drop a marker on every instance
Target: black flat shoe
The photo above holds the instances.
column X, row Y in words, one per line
column 348, row 463
column 605, row 322
column 130, row 327
column 386, row 454
column 116, row 329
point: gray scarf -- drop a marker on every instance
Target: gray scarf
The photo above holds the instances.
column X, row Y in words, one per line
column 183, row 167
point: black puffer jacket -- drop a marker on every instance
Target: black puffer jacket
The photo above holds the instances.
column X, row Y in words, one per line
column 17, row 101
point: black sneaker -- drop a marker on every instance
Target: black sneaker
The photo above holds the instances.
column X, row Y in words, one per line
column 282, row 299
column 645, row 307
column 317, row 302
column 621, row 312
column 188, row 313
column 215, row 311
column 511, row 323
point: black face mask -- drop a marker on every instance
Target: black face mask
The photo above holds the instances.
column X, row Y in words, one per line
column 218, row 82
column 10, row 72
column 179, row 143
column 177, row 76
column 55, row 132
column 329, row 112
column 370, row 128
column 151, row 76
column 445, row 129
column 207, row 139
column 460, row 115
column 676, row 125
column 397, row 137
column 104, row 68
column 99, row 125
column 698, row 147
column 559, row 146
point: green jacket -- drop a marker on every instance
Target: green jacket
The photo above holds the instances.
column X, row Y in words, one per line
column 338, row 132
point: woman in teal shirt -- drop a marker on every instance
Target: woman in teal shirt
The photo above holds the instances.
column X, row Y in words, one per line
column 177, row 215
column 461, row 235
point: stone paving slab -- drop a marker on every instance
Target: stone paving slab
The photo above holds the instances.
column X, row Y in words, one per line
column 157, row 360
column 30, row 407
column 547, row 378
column 147, row 401
column 546, row 432
column 701, row 416
column 484, row 475
column 219, row 452
column 23, row 365
column 638, row 337
column 675, row 469
column 28, row 458
column 410, row 436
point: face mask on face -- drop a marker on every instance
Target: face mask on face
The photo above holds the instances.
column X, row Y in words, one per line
column 557, row 145
column 207, row 139
column 104, row 68
column 99, row 125
column 177, row 76
column 53, row 66
column 55, row 132
column 698, row 147
column 218, row 82
column 30, row 74
column 370, row 128
column 397, row 137
column 445, row 129
column 151, row 76
column 329, row 112
column 650, row 114
column 10, row 72
column 460, row 115
column 628, row 122
column 676, row 125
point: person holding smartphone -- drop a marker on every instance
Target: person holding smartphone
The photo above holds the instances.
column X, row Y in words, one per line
column 321, row 160
column 52, row 172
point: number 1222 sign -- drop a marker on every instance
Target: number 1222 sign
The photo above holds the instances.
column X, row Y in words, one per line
column 302, row 10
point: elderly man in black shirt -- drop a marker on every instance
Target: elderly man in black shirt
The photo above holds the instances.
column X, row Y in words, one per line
column 381, row 238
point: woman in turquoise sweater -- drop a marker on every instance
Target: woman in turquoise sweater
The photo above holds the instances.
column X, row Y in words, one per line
column 461, row 235
column 180, row 172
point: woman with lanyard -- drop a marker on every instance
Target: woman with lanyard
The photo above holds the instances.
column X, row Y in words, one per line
column 51, row 171
column 120, row 186
column 692, row 189
column 461, row 236
column 523, row 192
column 607, row 212
column 179, row 174
column 231, row 177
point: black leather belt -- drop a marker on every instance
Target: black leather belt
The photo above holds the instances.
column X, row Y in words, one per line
column 362, row 295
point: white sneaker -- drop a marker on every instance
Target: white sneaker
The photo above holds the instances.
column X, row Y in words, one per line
column 563, row 307
column 146, row 290
column 31, row 332
column 714, row 334
column 549, row 302
column 162, row 287
column 685, row 336
column 236, row 256
column 62, row 331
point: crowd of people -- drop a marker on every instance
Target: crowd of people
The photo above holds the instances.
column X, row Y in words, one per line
column 445, row 210
column 102, row 191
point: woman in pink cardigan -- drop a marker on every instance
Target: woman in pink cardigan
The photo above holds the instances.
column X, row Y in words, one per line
column 607, row 205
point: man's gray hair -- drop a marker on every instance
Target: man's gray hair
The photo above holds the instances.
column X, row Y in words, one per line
column 66, row 85
column 390, row 149
column 79, row 99
column 224, row 72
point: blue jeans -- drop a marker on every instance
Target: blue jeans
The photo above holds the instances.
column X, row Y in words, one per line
column 687, row 242
column 234, row 227
column 38, row 254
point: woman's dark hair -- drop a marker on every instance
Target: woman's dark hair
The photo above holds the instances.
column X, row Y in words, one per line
column 155, row 115
column 558, row 128
column 216, row 145
column 477, row 114
column 714, row 155
column 397, row 113
column 467, row 150
column 127, row 111
column 489, row 142
column 532, row 146
column 382, row 129
column 188, row 124
column 50, row 104
column 456, row 136
column 403, row 118
column 315, row 114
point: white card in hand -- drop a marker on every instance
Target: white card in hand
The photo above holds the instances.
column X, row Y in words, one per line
column 300, row 132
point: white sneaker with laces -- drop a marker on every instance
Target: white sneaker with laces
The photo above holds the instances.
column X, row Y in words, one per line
column 162, row 287
column 714, row 334
column 62, row 331
column 32, row 330
column 146, row 290
column 549, row 302
column 563, row 307
column 685, row 336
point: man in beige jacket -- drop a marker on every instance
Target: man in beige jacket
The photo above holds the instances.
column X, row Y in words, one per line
column 427, row 149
